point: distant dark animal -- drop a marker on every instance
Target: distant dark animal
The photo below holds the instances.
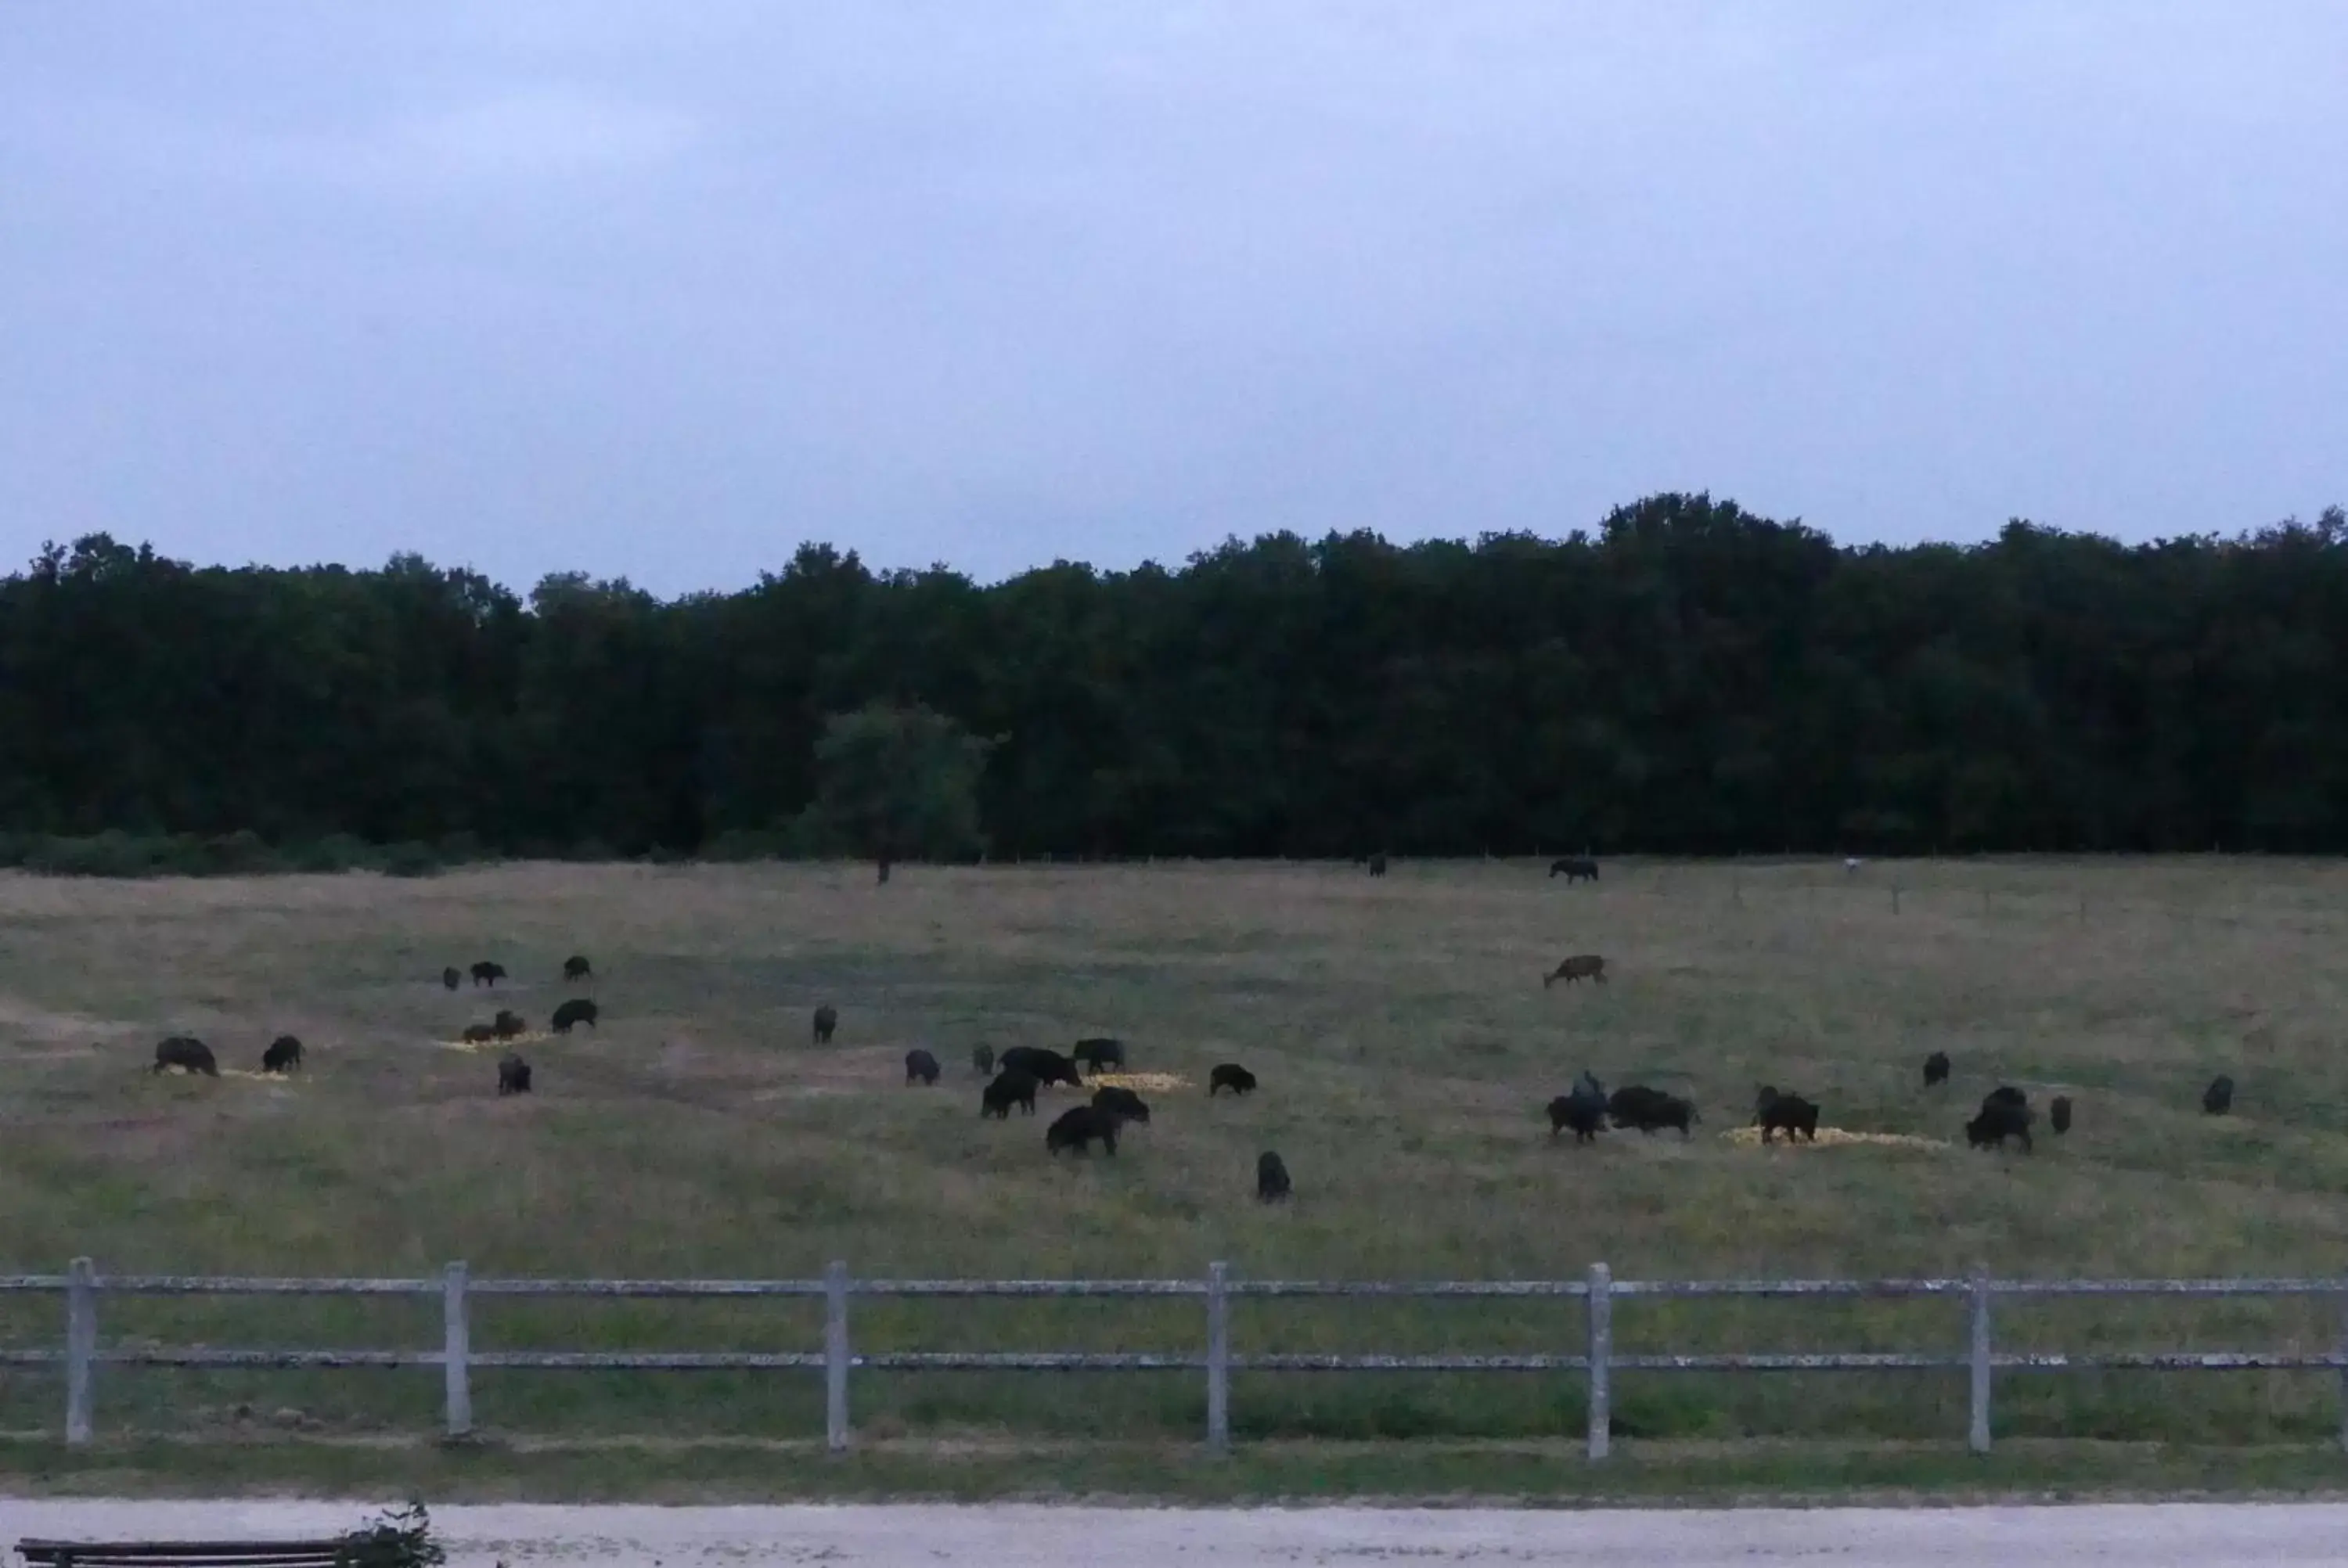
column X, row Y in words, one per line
column 283, row 1055
column 508, row 1025
column 1230, row 1075
column 2058, row 1114
column 1098, row 1055
column 577, row 967
column 1582, row 966
column 1122, row 1103
column 1936, row 1069
column 2218, row 1098
column 826, row 1018
column 920, row 1064
column 1271, row 1184
column 449, row 976
column 578, row 1009
column 983, row 1057
column 485, row 973
column 1377, row 866
column 1787, row 1114
column 1008, row 1088
column 1076, row 1128
column 1637, row 1105
column 479, row 1033
column 187, row 1052
column 1586, row 1119
column 1584, row 1109
column 513, row 1074
column 2003, row 1114
column 1574, row 868
column 1043, row 1064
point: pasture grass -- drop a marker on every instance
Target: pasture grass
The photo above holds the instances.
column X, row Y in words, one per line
column 1435, row 1472
column 1406, row 1048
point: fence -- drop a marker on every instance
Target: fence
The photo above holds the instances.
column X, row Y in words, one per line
column 82, row 1285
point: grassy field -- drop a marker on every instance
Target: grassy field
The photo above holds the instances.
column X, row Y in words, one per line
column 1406, row 1046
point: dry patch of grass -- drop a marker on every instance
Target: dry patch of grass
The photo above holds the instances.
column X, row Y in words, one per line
column 1405, row 1048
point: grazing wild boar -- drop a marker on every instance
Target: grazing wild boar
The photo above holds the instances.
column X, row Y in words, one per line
column 578, row 1009
column 1582, row 966
column 1098, row 1055
column 1043, row 1064
column 283, row 1055
column 826, row 1018
column 1584, row 1109
column 1077, row 1126
column 2005, row 1114
column 451, row 977
column 1230, row 1075
column 1574, row 868
column 1789, row 1113
column 983, row 1057
column 2218, row 1098
column 1272, row 1182
column 1123, row 1104
column 1646, row 1109
column 1586, row 1119
column 1008, row 1088
column 485, row 973
column 2058, row 1114
column 921, row 1067
column 1936, row 1069
column 187, row 1053
column 513, row 1074
column 577, row 967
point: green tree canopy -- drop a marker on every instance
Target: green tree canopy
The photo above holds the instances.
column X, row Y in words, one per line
column 895, row 782
column 1684, row 678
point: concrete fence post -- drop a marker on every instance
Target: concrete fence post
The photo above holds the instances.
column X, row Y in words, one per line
column 1600, row 1303
column 2343, row 1363
column 1977, row 1431
column 834, row 1356
column 1219, row 1360
column 456, row 1353
column 82, row 1348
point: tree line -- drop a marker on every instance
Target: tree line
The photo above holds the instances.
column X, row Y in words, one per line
column 1688, row 678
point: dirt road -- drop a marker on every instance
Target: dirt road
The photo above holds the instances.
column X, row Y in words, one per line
column 2186, row 1535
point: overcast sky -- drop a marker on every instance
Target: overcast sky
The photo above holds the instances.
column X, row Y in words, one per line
column 661, row 289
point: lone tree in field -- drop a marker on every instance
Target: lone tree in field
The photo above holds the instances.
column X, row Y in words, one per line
column 893, row 782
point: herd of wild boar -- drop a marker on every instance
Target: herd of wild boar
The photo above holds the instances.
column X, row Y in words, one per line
column 2005, row 1112
column 1014, row 1077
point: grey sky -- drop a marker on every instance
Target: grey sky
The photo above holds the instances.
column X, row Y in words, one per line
column 660, row 290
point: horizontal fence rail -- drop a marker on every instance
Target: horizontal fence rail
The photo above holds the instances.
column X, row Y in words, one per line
column 1596, row 1361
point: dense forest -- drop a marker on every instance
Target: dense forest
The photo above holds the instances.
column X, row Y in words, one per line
column 1690, row 679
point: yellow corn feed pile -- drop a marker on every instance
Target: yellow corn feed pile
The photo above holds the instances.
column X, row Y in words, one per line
column 1163, row 1080
column 1833, row 1137
column 237, row 1072
column 493, row 1044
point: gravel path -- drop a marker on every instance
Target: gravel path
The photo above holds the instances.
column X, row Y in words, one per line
column 923, row 1537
